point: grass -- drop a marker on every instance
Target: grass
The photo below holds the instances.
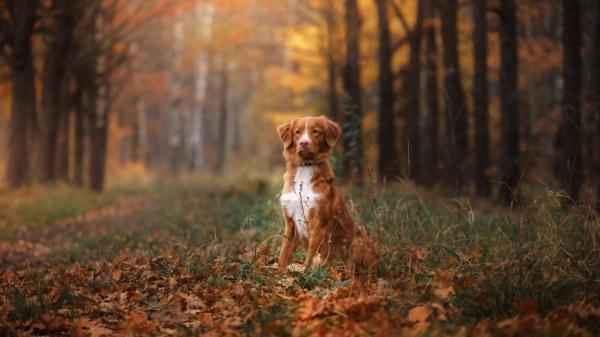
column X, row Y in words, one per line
column 498, row 259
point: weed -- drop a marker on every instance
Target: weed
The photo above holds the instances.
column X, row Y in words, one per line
column 313, row 277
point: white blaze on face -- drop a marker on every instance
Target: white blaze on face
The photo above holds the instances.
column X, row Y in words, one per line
column 305, row 136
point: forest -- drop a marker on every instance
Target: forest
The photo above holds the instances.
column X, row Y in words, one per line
column 141, row 168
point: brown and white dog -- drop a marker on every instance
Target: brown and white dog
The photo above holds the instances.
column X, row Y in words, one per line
column 315, row 214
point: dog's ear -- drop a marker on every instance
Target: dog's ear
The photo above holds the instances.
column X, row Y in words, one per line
column 285, row 133
column 332, row 131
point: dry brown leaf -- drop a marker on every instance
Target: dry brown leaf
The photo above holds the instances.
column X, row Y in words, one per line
column 419, row 314
column 444, row 293
column 88, row 328
column 137, row 323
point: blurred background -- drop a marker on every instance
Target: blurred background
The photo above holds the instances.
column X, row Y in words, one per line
column 491, row 98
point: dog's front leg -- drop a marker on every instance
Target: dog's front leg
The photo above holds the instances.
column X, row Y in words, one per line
column 315, row 242
column 290, row 243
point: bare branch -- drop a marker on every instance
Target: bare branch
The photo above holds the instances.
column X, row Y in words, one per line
column 401, row 17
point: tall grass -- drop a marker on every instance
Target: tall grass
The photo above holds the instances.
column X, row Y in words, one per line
column 498, row 258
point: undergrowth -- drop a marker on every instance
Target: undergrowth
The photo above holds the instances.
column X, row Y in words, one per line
column 487, row 262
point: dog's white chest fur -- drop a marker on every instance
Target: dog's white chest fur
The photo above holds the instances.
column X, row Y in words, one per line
column 297, row 202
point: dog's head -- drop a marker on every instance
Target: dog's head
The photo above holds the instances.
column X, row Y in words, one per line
column 308, row 138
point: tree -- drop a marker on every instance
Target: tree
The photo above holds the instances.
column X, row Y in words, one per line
column 386, row 137
column 352, row 161
column 80, row 120
column 568, row 143
column 223, row 112
column 413, row 96
column 509, row 104
column 332, row 77
column 456, row 108
column 55, row 64
column 17, row 20
column 430, row 142
column 596, row 97
column 481, row 99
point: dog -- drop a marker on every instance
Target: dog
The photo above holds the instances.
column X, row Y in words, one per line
column 315, row 214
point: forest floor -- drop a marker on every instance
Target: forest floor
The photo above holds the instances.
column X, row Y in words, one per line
column 195, row 258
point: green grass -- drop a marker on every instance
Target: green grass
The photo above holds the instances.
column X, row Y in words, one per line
column 43, row 205
column 540, row 252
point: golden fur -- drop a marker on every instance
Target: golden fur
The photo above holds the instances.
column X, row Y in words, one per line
column 331, row 230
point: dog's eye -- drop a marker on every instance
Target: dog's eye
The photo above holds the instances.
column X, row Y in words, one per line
column 297, row 131
column 315, row 130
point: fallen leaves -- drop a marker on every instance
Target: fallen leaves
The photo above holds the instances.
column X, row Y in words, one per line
column 137, row 323
column 232, row 288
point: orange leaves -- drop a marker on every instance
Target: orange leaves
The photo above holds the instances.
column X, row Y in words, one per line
column 418, row 316
column 443, row 284
column 137, row 323
column 232, row 289
column 313, row 307
column 85, row 327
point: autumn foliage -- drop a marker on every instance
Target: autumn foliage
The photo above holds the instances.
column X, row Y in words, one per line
column 194, row 260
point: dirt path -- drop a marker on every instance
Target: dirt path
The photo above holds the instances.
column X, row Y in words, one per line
column 34, row 244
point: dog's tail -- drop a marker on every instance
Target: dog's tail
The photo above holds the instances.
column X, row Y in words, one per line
column 364, row 253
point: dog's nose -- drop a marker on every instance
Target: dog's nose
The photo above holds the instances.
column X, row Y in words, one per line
column 304, row 142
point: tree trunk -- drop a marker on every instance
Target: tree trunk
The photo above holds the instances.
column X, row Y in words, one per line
column 509, row 103
column 430, row 144
column 332, row 77
column 63, row 139
column 481, row 99
column 98, row 127
column 23, row 113
column 55, row 62
column 456, row 109
column 596, row 99
column 80, row 117
column 352, row 161
column 209, row 130
column 569, row 135
column 388, row 155
column 136, row 151
column 224, row 109
column 98, row 94
column 413, row 106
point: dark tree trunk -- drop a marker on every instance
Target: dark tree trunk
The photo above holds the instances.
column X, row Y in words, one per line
column 80, row 118
column 98, row 127
column 352, row 161
column 55, row 62
column 456, row 109
column 23, row 114
column 223, row 111
column 388, row 155
column 63, row 140
column 332, row 76
column 135, row 125
column 413, row 106
column 430, row 143
column 481, row 99
column 596, row 99
column 97, row 95
column 99, row 140
column 509, row 103
column 568, row 143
